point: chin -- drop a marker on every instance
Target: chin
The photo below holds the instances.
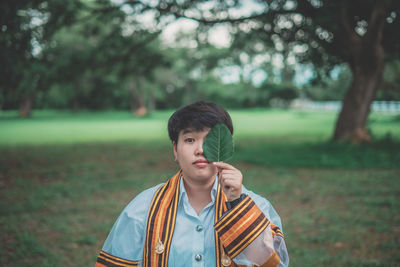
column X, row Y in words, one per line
column 206, row 172
column 203, row 173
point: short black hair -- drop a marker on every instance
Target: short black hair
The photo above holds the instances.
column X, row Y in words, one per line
column 197, row 116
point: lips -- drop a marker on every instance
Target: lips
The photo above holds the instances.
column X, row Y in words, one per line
column 201, row 163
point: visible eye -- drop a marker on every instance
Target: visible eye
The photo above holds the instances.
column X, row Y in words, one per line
column 189, row 140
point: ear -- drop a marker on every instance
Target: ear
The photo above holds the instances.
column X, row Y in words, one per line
column 175, row 149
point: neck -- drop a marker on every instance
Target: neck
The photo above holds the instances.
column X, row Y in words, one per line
column 199, row 194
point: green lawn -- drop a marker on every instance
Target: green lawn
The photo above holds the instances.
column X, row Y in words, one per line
column 65, row 177
column 52, row 127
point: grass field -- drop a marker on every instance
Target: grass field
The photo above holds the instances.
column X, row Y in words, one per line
column 65, row 177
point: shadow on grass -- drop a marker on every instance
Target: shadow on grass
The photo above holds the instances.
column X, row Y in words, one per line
column 384, row 153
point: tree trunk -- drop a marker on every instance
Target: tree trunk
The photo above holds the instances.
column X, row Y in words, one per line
column 352, row 121
column 137, row 99
column 366, row 60
column 25, row 106
column 152, row 101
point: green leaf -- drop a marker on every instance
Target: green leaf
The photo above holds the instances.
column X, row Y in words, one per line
column 218, row 145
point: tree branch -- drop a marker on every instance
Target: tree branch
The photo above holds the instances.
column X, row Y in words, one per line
column 377, row 21
column 302, row 9
column 218, row 21
column 93, row 11
column 351, row 35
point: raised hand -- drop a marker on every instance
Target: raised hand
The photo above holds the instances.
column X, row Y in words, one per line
column 230, row 179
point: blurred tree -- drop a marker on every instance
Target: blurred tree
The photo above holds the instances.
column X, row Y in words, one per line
column 326, row 33
column 277, row 94
column 330, row 88
column 334, row 88
column 26, row 29
column 102, row 53
column 192, row 61
column 391, row 82
column 89, row 54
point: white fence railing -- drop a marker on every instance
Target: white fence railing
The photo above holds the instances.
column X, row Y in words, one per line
column 376, row 106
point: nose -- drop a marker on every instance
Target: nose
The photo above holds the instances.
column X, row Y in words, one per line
column 199, row 148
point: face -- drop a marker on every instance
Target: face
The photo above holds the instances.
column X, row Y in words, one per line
column 189, row 154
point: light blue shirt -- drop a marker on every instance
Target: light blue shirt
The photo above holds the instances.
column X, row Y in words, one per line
column 193, row 239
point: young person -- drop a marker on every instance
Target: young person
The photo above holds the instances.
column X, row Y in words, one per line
column 202, row 216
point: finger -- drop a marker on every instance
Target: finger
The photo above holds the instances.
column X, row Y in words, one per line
column 230, row 176
column 226, row 172
column 224, row 186
column 227, row 189
column 221, row 178
column 224, row 165
column 231, row 173
column 219, row 170
column 231, row 184
column 230, row 180
column 225, row 182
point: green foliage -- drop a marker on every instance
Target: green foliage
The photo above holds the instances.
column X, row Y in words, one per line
column 232, row 95
column 96, row 67
column 27, row 28
column 277, row 94
column 93, row 55
column 320, row 28
column 330, row 88
column 218, row 145
column 390, row 89
column 81, row 52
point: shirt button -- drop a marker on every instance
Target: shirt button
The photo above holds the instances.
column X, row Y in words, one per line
column 199, row 228
column 198, row 257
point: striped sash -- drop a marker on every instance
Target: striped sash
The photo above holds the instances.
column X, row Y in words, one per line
column 161, row 224
column 234, row 230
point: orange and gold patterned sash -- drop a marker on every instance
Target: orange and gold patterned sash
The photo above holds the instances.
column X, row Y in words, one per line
column 220, row 209
column 107, row 260
column 161, row 223
column 234, row 230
